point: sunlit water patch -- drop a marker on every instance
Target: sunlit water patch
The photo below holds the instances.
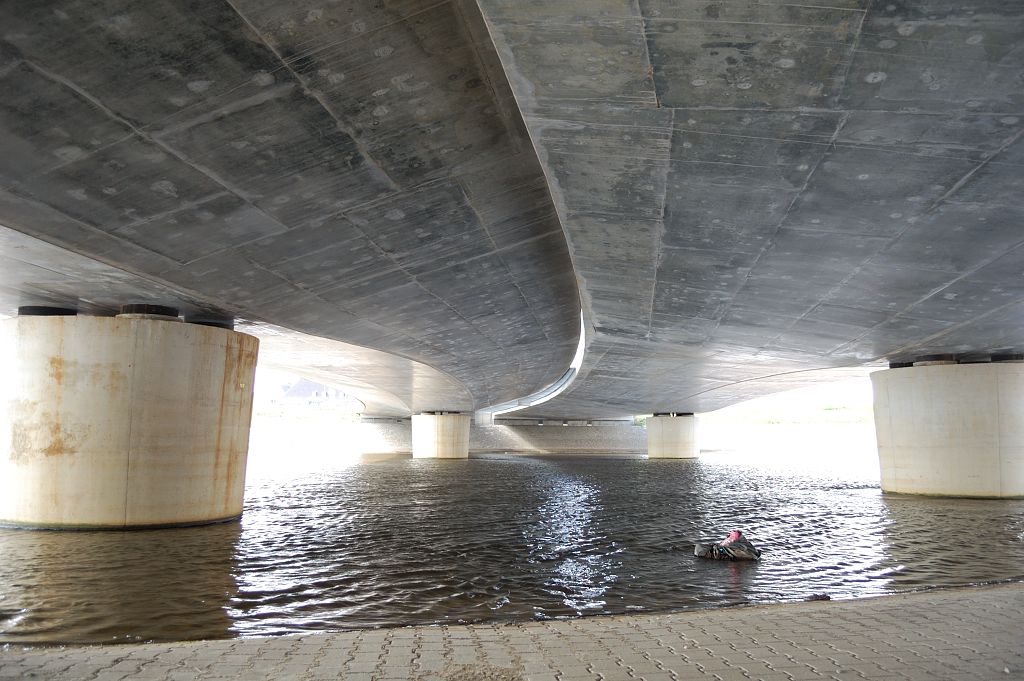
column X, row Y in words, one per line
column 426, row 541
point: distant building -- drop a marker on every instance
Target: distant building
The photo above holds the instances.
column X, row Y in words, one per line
column 306, row 392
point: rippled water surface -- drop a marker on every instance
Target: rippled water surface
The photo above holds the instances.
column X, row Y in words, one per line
column 422, row 541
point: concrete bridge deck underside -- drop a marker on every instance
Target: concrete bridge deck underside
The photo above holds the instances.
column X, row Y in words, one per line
column 739, row 195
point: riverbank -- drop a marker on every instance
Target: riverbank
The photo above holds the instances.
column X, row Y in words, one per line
column 960, row 633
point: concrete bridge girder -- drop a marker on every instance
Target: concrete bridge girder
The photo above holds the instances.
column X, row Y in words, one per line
column 753, row 189
column 732, row 206
column 345, row 176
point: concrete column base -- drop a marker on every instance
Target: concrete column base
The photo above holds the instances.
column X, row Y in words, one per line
column 951, row 429
column 129, row 421
column 440, row 436
column 672, row 437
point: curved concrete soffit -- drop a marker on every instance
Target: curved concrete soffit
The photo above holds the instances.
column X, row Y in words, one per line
column 386, row 384
column 744, row 390
column 549, row 392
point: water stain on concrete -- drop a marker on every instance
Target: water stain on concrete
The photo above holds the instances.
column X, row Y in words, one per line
column 46, row 436
column 56, row 369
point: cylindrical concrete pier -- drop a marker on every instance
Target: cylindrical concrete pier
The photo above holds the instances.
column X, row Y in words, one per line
column 128, row 421
column 440, row 436
column 672, row 436
column 951, row 429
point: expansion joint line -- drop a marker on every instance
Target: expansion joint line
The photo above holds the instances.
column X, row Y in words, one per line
column 342, row 125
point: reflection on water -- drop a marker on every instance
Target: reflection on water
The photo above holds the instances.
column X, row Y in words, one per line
column 967, row 542
column 117, row 586
column 566, row 537
column 421, row 541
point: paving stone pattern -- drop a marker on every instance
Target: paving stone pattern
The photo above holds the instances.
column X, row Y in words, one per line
column 971, row 633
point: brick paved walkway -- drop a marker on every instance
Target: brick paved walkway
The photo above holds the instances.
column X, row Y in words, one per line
column 957, row 634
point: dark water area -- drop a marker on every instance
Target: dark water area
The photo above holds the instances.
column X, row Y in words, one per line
column 497, row 539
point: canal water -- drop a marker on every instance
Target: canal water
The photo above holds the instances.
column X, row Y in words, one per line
column 497, row 539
